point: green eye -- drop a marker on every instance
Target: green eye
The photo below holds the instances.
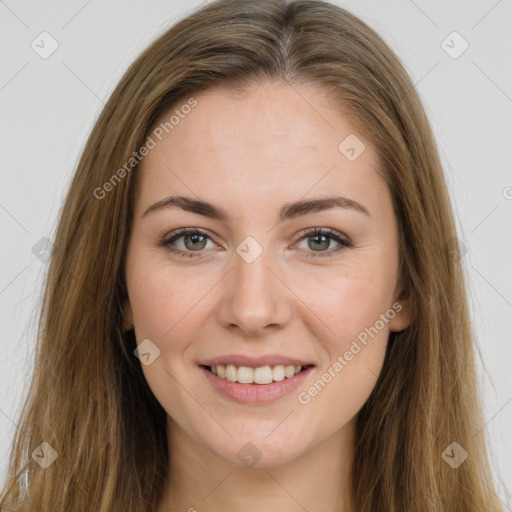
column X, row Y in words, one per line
column 319, row 241
column 191, row 242
column 194, row 241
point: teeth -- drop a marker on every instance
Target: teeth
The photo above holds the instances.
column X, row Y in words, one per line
column 246, row 375
column 260, row 375
column 231, row 373
column 278, row 372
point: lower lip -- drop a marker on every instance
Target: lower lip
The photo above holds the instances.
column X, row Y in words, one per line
column 256, row 393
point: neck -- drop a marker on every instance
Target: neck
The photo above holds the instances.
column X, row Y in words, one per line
column 200, row 480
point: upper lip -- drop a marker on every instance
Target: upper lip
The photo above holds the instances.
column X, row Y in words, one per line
column 255, row 361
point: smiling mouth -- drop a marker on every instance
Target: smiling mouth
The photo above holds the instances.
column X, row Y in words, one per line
column 260, row 375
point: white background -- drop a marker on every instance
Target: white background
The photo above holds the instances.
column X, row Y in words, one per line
column 48, row 107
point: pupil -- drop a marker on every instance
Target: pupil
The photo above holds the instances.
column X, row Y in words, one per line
column 325, row 242
column 194, row 239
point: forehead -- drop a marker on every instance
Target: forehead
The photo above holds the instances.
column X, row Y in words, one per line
column 274, row 141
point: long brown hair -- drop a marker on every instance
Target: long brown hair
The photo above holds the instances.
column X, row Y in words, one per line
column 88, row 398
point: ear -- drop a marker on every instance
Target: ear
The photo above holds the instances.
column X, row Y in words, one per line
column 403, row 313
column 127, row 315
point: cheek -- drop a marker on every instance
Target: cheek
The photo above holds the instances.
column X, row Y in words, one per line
column 354, row 306
column 355, row 352
column 168, row 310
column 348, row 300
column 165, row 302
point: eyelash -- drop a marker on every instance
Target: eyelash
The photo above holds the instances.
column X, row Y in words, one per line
column 333, row 235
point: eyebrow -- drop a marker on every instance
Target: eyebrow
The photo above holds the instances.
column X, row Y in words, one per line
column 288, row 211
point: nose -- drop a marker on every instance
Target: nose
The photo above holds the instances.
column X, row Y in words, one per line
column 254, row 298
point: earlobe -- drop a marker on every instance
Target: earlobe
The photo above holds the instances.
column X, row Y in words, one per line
column 403, row 315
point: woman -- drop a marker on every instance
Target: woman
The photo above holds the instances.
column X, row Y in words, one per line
column 255, row 298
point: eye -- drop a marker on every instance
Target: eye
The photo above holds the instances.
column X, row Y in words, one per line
column 191, row 242
column 188, row 241
column 320, row 240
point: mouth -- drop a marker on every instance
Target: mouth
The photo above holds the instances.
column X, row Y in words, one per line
column 256, row 386
column 262, row 375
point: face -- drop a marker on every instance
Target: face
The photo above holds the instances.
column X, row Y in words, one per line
column 267, row 273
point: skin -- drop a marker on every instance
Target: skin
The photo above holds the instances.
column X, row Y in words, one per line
column 251, row 155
